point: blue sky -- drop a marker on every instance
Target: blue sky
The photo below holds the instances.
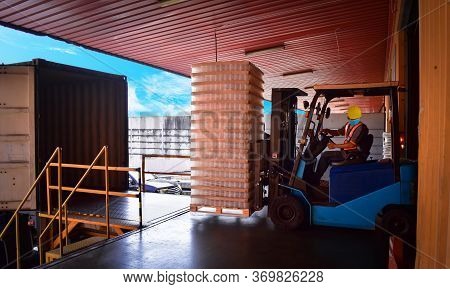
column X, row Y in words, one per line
column 151, row 91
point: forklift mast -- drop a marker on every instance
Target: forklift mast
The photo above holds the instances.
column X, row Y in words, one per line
column 282, row 133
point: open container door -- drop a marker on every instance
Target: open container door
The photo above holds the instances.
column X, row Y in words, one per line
column 17, row 134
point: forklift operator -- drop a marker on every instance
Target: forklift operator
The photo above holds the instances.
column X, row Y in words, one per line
column 354, row 132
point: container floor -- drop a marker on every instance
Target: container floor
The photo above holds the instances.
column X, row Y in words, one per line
column 198, row 240
column 127, row 209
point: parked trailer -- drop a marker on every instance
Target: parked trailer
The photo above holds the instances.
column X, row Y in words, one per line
column 44, row 105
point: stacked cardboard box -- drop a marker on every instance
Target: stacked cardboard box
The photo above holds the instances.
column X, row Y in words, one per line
column 226, row 124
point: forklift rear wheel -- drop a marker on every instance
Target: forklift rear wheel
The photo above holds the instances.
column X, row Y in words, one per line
column 398, row 222
column 287, row 213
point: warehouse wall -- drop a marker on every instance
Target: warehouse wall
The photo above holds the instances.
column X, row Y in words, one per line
column 433, row 228
column 159, row 135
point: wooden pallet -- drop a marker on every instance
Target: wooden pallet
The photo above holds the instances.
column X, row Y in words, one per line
column 221, row 211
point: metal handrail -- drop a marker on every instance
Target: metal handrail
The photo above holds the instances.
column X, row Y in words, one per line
column 96, row 192
column 143, row 171
column 64, row 204
column 100, row 168
column 57, row 152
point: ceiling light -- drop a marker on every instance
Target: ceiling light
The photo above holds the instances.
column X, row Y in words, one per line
column 264, row 49
column 302, row 71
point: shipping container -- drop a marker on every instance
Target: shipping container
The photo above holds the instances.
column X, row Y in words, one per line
column 44, row 105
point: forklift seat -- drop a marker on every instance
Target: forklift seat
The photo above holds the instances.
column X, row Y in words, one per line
column 360, row 156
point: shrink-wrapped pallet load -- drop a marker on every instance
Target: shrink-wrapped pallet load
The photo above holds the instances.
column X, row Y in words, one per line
column 226, row 124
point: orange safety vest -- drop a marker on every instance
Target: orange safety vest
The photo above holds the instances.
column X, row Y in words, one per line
column 349, row 133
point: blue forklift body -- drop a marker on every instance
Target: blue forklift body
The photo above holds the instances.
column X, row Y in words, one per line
column 350, row 182
column 356, row 204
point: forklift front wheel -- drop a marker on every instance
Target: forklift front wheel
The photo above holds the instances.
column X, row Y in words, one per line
column 398, row 221
column 287, row 213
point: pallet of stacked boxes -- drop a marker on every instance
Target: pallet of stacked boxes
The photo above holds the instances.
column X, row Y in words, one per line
column 226, row 125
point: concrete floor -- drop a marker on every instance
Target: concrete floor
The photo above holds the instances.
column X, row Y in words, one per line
column 197, row 240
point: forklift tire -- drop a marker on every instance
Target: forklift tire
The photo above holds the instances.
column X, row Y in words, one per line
column 287, row 213
column 398, row 221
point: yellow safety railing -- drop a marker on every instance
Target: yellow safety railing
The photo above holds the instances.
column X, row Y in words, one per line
column 62, row 205
column 145, row 156
column 15, row 216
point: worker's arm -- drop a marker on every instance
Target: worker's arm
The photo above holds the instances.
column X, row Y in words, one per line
column 333, row 132
column 357, row 136
column 345, row 146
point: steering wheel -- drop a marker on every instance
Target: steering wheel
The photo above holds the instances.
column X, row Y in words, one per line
column 318, row 143
column 325, row 136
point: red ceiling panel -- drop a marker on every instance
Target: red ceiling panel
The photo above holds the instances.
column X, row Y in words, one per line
column 341, row 41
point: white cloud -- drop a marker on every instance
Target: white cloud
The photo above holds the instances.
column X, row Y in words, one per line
column 63, row 50
column 167, row 93
column 167, row 85
column 134, row 105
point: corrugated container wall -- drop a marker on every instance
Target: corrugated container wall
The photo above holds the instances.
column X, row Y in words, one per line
column 80, row 110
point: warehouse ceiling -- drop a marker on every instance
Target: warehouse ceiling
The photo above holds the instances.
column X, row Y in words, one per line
column 295, row 43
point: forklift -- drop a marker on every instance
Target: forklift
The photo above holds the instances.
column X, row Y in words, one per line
column 362, row 193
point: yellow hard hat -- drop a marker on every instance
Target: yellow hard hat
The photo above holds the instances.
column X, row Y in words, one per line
column 354, row 112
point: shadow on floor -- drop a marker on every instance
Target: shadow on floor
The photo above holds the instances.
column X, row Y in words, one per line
column 197, row 240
